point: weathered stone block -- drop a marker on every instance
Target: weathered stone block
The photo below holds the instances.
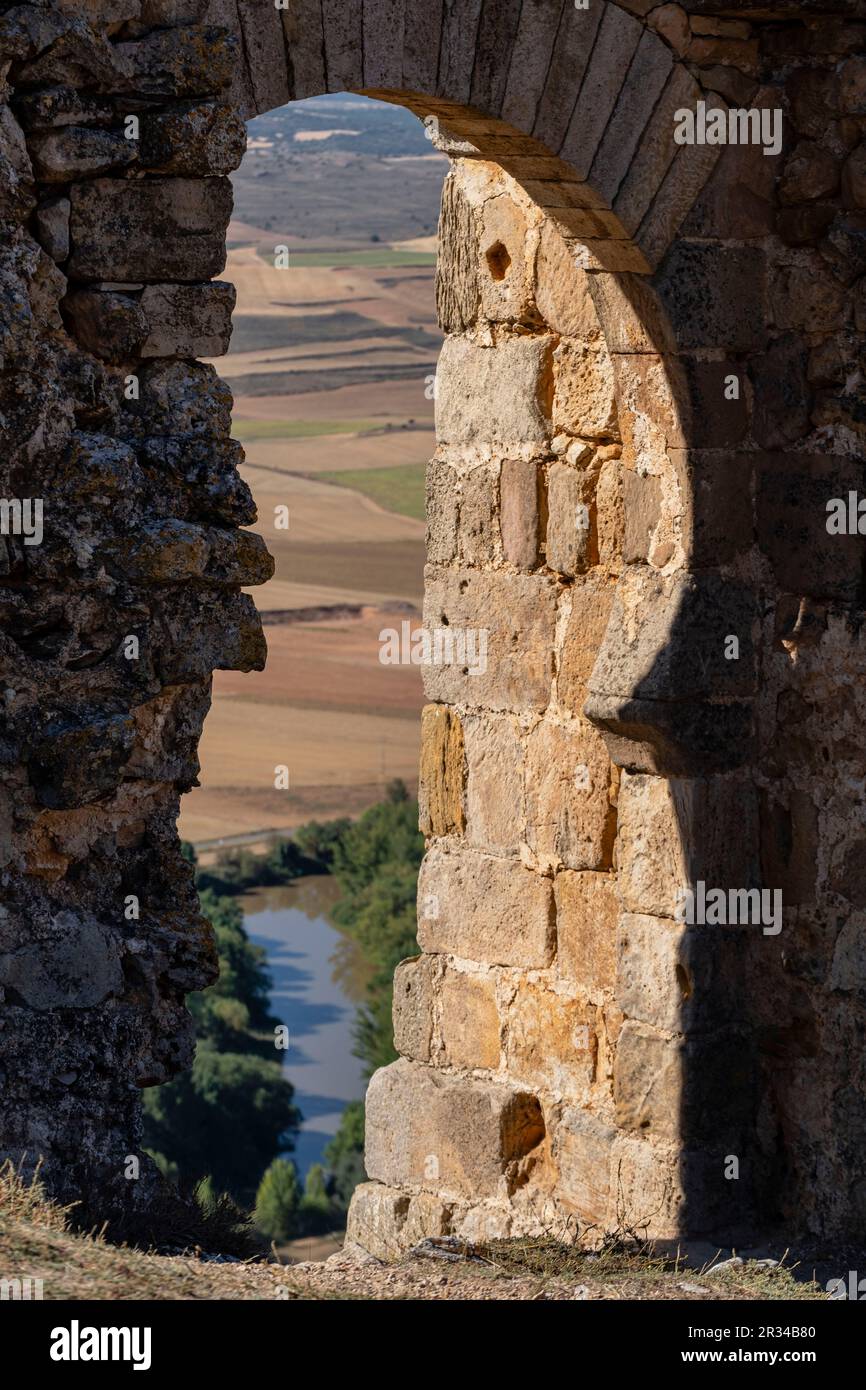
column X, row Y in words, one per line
column 570, row 820
column 377, row 1216
column 562, row 291
column 414, row 985
column 587, row 910
column 154, row 230
column 187, row 320
column 193, row 61
column 648, row 1081
column 715, row 296
column 60, row 156
column 494, row 396
column 52, row 228
column 112, row 326
column 582, row 1149
column 440, row 793
column 490, row 910
column 477, row 519
column 466, row 1138
column 494, row 783
column 671, row 638
column 442, row 511
column 458, row 292
column 506, row 293
column 674, row 832
column 572, row 519
column 719, row 521
column 469, row 1021
column 584, row 400
column 491, row 639
column 550, row 1042
column 519, row 489
column 206, row 138
column 591, row 600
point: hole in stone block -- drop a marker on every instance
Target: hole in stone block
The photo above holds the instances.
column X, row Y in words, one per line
column 498, row 261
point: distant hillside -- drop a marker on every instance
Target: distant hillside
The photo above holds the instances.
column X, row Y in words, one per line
column 342, row 169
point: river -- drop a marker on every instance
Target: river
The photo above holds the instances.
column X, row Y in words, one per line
column 318, row 978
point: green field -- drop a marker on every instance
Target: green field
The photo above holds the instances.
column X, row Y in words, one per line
column 399, row 489
column 382, row 258
column 248, row 430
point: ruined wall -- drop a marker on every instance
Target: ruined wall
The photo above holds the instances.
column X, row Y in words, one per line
column 651, row 387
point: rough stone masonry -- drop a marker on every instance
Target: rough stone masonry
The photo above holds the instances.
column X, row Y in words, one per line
column 650, row 400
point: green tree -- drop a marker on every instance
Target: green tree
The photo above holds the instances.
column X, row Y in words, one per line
column 278, row 1201
column 317, row 1209
column 344, row 1154
column 227, row 1117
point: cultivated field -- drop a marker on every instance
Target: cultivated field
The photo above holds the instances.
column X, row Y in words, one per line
column 329, row 364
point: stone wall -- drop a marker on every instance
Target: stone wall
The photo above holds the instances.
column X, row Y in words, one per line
column 651, row 387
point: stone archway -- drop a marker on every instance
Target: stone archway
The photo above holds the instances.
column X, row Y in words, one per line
column 696, row 259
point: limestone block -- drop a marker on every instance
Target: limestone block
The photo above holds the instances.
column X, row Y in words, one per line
column 193, row 61
column 582, row 1149
column 477, row 526
column 649, row 1191
column 494, row 396
column 494, row 637
column 570, row 819
column 591, row 600
column 671, row 638
column 489, row 910
column 635, row 104
column 413, row 1007
column 187, row 320
column 458, row 294
column 550, row 1042
column 572, row 519
column 675, row 832
column 562, row 291
column 587, row 909
column 494, row 783
column 584, row 400
column 377, row 1215
column 74, row 152
column 506, row 292
column 648, row 1081
column 519, row 489
column 448, row 1136
column 442, row 509
column 154, row 230
column 199, row 139
column 611, row 515
column 469, row 1021
column 112, row 326
column 440, row 793
column 52, row 228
